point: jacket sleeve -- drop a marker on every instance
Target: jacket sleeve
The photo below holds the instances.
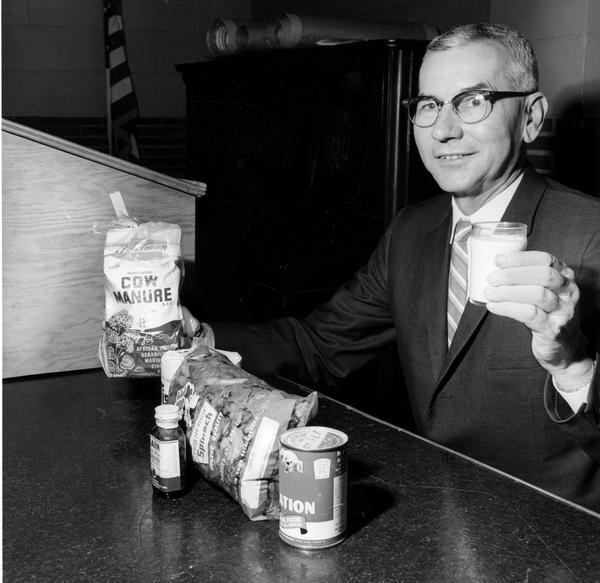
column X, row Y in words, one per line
column 584, row 426
column 337, row 338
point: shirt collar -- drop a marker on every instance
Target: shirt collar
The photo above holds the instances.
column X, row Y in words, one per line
column 490, row 211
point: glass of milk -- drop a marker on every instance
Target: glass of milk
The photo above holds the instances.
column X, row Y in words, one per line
column 487, row 240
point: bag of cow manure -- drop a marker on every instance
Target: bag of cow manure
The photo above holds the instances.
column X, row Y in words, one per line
column 233, row 421
column 143, row 273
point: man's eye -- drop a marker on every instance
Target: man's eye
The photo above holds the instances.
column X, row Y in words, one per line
column 426, row 106
column 472, row 101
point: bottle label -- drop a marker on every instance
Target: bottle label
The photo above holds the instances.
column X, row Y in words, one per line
column 164, row 463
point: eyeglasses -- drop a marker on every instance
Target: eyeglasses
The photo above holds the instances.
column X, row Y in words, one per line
column 471, row 106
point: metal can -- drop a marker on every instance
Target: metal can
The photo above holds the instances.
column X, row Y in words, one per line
column 313, row 481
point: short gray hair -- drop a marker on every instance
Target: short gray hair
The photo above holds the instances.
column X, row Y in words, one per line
column 522, row 68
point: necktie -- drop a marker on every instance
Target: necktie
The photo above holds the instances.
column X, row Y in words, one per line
column 457, row 278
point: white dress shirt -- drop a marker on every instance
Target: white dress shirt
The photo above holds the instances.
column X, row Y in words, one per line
column 490, row 211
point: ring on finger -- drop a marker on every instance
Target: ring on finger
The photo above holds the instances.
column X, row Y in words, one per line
column 558, row 264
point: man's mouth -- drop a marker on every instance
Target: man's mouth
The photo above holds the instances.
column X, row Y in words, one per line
column 451, row 156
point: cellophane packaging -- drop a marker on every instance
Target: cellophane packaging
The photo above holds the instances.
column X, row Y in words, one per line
column 233, row 421
column 143, row 273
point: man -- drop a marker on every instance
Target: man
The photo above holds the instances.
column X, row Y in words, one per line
column 513, row 385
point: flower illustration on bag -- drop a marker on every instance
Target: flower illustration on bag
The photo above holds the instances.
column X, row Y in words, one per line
column 121, row 342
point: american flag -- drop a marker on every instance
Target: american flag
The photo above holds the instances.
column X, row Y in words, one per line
column 121, row 99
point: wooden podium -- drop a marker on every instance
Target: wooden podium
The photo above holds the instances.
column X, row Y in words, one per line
column 54, row 197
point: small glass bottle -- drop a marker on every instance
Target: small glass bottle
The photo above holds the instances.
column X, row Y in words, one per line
column 168, row 455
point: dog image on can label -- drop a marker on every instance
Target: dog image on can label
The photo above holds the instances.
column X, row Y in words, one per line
column 313, row 478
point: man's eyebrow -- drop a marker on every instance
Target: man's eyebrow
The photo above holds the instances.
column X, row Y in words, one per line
column 477, row 87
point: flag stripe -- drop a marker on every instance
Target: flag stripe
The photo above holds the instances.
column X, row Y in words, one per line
column 115, row 23
column 123, row 113
column 121, row 89
column 117, row 57
column 115, row 40
column 126, row 120
column 119, row 73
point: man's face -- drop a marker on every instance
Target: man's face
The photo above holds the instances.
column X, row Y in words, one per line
column 470, row 160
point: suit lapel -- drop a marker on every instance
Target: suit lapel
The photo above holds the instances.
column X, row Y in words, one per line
column 526, row 200
column 471, row 319
column 522, row 209
column 436, row 262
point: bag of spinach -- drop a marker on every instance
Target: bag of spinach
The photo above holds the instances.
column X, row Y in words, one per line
column 233, row 421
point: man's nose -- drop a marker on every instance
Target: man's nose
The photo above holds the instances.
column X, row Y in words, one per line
column 447, row 125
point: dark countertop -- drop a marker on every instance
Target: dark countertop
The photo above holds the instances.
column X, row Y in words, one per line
column 78, row 504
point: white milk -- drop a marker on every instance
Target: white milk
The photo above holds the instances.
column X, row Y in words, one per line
column 482, row 250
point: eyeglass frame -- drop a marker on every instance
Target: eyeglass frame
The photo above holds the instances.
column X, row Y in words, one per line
column 488, row 94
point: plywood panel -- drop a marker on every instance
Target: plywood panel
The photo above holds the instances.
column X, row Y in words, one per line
column 53, row 295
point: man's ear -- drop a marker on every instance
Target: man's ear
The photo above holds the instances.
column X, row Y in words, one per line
column 536, row 108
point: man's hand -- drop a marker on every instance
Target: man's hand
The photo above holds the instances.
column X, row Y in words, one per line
column 193, row 328
column 539, row 290
column 190, row 324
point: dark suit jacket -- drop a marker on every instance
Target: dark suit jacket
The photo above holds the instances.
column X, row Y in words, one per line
column 486, row 396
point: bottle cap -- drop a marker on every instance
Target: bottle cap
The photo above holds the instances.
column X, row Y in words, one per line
column 166, row 413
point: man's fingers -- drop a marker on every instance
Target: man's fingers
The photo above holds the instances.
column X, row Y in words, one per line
column 542, row 275
column 532, row 316
column 536, row 295
column 523, row 258
column 558, row 264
